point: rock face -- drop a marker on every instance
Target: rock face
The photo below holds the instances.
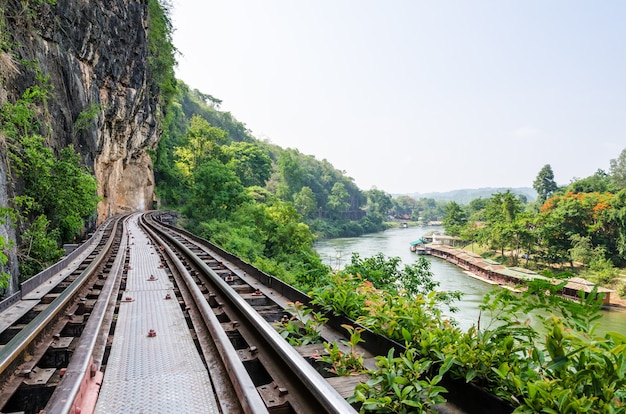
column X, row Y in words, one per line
column 102, row 100
column 95, row 53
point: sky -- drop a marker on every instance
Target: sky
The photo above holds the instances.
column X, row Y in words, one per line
column 414, row 96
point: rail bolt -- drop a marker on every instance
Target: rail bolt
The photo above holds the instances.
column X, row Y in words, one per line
column 152, row 278
column 235, row 324
column 257, row 292
column 168, row 297
column 62, row 371
column 151, row 333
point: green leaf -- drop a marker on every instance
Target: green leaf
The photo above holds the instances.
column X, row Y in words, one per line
column 407, row 335
column 400, row 380
column 470, row 375
column 411, row 403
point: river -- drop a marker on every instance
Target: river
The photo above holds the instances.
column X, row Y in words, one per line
column 395, row 243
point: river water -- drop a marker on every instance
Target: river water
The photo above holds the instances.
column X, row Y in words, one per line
column 395, row 243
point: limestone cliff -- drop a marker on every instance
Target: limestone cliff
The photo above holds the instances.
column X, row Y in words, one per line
column 103, row 98
column 95, row 53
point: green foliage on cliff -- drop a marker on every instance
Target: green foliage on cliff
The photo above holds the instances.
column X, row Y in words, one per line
column 86, row 118
column 54, row 194
column 161, row 50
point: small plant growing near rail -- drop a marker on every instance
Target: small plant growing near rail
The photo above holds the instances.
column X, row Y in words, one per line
column 343, row 294
column 345, row 363
column 401, row 384
column 303, row 327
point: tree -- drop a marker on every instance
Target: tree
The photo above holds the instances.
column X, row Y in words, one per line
column 202, row 144
column 582, row 251
column 161, row 50
column 477, row 205
column 405, row 205
column 590, row 215
column 618, row 170
column 251, row 164
column 38, row 248
column 284, row 233
column 305, row 202
column 74, row 192
column 378, row 202
column 59, row 187
column 430, row 210
column 217, row 192
column 454, row 219
column 291, row 175
column 503, row 207
column 599, row 182
column 338, row 201
column 502, row 229
column 544, row 184
column 618, row 218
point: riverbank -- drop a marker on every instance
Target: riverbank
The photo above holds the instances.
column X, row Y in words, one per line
column 451, row 278
column 512, row 277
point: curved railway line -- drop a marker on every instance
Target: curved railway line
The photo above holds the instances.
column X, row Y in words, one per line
column 264, row 369
column 57, row 335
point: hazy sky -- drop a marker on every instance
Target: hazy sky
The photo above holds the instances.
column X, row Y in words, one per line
column 418, row 96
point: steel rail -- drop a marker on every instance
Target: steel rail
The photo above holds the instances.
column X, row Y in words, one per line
column 22, row 340
column 321, row 390
column 67, row 395
column 291, row 293
column 245, row 389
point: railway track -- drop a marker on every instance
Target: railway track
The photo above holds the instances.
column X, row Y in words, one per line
column 55, row 356
column 266, row 372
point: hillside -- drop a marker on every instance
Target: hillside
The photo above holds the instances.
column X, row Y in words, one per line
column 466, row 195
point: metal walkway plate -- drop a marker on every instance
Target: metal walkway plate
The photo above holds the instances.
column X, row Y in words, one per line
column 153, row 374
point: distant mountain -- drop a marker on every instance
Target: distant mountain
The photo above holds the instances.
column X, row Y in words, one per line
column 467, row 195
